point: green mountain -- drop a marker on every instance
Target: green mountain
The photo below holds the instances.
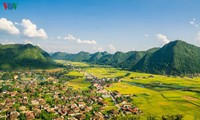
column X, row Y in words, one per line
column 114, row 59
column 62, row 56
column 174, row 58
column 18, row 56
column 132, row 59
column 79, row 57
column 96, row 57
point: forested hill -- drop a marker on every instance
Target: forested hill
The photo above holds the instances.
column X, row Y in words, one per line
column 176, row 58
column 19, row 56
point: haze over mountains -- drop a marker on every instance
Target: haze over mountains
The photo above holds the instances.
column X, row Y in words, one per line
column 176, row 58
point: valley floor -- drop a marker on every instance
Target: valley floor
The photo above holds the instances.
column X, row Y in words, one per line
column 84, row 91
column 154, row 94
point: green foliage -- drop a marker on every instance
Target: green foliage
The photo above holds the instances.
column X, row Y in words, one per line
column 172, row 117
column 175, row 58
column 79, row 57
column 125, row 117
column 45, row 115
column 88, row 115
column 127, row 74
column 19, row 56
column 119, row 59
column 7, row 76
column 4, row 88
column 151, row 117
column 134, row 57
column 22, row 116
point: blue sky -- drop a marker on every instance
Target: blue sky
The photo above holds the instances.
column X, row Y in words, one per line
column 98, row 25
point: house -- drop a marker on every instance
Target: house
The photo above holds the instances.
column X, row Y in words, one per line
column 105, row 95
column 87, row 109
column 35, row 102
column 80, row 117
column 134, row 110
column 15, row 77
column 98, row 116
column 22, row 108
column 126, row 106
column 59, row 118
column 73, row 106
column 41, row 101
column 13, row 93
column 29, row 115
column 37, row 112
column 13, row 115
column 81, row 104
column 71, row 113
column 102, row 103
column 50, row 110
column 76, row 110
column 1, row 107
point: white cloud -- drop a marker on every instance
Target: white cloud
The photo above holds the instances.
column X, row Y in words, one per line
column 8, row 26
column 31, row 30
column 162, row 38
column 111, row 48
column 146, row 35
column 69, row 37
column 7, row 42
column 58, row 37
column 197, row 37
column 191, row 22
column 101, row 49
column 86, row 41
column 78, row 40
column 28, row 42
column 16, row 23
column 38, row 45
column 194, row 23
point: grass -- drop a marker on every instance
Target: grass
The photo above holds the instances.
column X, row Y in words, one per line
column 106, row 72
column 79, row 64
column 79, row 84
column 109, row 101
column 76, row 73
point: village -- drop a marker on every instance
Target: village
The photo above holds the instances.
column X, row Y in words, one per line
column 45, row 96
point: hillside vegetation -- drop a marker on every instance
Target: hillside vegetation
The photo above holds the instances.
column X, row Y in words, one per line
column 18, row 56
column 174, row 58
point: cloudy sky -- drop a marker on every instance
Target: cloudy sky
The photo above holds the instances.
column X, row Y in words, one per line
column 100, row 25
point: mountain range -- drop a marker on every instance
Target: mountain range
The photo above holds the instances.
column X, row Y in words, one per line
column 174, row 58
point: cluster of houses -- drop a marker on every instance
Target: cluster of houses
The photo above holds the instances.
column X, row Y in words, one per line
column 31, row 100
column 123, row 102
column 44, row 96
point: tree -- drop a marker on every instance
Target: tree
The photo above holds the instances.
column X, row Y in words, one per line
column 172, row 117
column 7, row 76
column 126, row 117
column 22, row 116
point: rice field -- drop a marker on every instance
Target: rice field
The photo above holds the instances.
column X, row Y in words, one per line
column 154, row 94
